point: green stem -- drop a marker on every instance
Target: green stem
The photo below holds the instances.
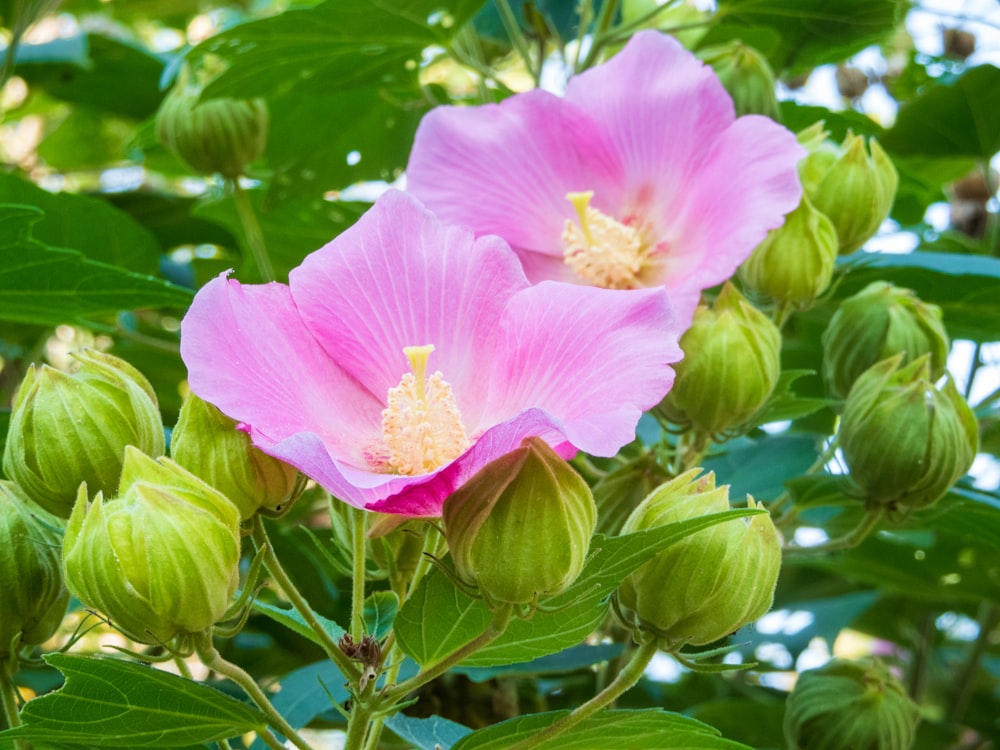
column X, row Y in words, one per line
column 8, row 697
column 359, row 526
column 501, row 618
column 360, row 722
column 251, row 231
column 517, row 38
column 977, row 362
column 988, row 620
column 212, row 659
column 628, row 677
column 847, row 541
column 277, row 572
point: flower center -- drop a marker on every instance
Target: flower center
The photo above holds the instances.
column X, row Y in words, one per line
column 601, row 250
column 422, row 427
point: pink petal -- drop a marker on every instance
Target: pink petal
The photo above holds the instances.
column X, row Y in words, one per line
column 506, row 168
column 399, row 278
column 593, row 359
column 248, row 353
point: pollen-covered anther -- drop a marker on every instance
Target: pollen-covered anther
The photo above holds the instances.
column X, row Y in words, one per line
column 421, row 424
column 601, row 250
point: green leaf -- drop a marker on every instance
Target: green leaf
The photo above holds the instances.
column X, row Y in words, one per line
column 292, row 620
column 966, row 287
column 650, row 729
column 568, row 660
column 379, row 612
column 432, row 733
column 306, row 693
column 814, row 32
column 116, row 77
column 114, row 703
column 86, row 139
column 760, row 467
column 90, row 225
column 51, row 286
column 438, row 618
column 785, row 405
column 957, row 120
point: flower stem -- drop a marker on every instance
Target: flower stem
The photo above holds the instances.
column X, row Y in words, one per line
column 298, row 601
column 625, row 679
column 8, row 697
column 212, row 659
column 251, row 231
column 989, row 618
column 517, row 38
column 847, row 541
column 359, row 525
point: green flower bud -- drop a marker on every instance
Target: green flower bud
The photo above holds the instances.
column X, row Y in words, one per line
column 905, row 441
column 730, row 367
column 215, row 136
column 746, row 75
column 67, row 429
column 794, row 264
column 32, row 597
column 207, row 443
column 519, row 530
column 852, row 185
column 618, row 494
column 162, row 558
column 879, row 321
column 850, row 706
column 708, row 584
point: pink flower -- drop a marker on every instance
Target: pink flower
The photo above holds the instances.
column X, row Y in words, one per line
column 405, row 355
column 641, row 176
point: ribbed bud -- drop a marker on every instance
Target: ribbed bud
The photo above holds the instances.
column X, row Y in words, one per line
column 215, row 136
column 708, row 584
column 207, row 443
column 519, row 530
column 853, row 185
column 67, row 429
column 746, row 75
column 794, row 264
column 850, row 706
column 878, row 322
column 730, row 367
column 32, row 597
column 904, row 440
column 162, row 558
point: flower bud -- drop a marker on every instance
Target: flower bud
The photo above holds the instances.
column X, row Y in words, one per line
column 905, row 441
column 32, row 597
column 67, row 429
column 730, row 367
column 708, row 584
column 746, row 75
column 215, row 136
column 879, row 321
column 520, row 528
column 850, row 706
column 852, row 185
column 162, row 558
column 207, row 443
column 794, row 264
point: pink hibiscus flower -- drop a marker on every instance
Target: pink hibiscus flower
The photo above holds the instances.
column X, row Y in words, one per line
column 641, row 176
column 406, row 354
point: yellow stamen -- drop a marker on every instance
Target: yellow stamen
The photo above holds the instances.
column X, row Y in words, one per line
column 601, row 250
column 422, row 426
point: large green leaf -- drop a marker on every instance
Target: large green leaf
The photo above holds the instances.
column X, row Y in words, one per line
column 960, row 119
column 431, row 733
column 966, row 287
column 92, row 226
column 652, row 729
column 114, row 703
column 49, row 286
column 814, row 32
column 438, row 618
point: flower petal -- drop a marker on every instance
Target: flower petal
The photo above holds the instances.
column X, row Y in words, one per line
column 397, row 278
column 593, row 359
column 248, row 353
column 506, row 168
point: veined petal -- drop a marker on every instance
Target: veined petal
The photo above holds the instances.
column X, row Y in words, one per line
column 593, row 359
column 248, row 353
column 506, row 168
column 399, row 278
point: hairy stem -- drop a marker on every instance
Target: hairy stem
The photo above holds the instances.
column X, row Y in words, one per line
column 251, row 231
column 625, row 679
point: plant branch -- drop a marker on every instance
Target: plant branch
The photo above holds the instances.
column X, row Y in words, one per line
column 517, row 38
column 359, row 526
column 8, row 697
column 847, row 541
column 251, row 231
column 988, row 620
